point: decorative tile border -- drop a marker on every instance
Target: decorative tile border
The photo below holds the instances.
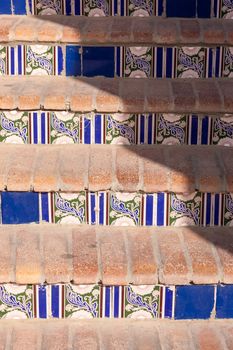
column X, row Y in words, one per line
column 96, row 301
column 64, row 127
column 119, row 209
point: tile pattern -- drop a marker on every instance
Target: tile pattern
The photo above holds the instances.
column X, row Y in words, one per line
column 96, row 301
column 65, row 127
column 119, row 209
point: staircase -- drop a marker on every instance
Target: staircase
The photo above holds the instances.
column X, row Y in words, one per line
column 116, row 173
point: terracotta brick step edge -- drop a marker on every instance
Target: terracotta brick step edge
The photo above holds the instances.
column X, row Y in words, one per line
column 132, row 31
column 150, row 168
column 84, row 254
column 109, row 334
column 109, row 95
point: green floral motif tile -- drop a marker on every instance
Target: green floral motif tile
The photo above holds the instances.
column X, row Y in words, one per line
column 138, row 62
column 191, row 62
column 125, row 209
column 171, row 129
column 51, row 7
column 226, row 9
column 14, row 127
column 16, row 301
column 120, row 128
column 70, row 208
column 228, row 209
column 64, row 127
column 185, row 210
column 3, row 60
column 227, row 62
column 142, row 302
column 82, row 301
column 140, row 8
column 39, row 60
column 95, row 8
column 223, row 131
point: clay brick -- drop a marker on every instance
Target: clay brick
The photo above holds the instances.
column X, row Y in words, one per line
column 86, row 336
column 113, row 261
column 227, row 330
column 73, row 170
column 208, row 96
column 100, row 169
column 156, row 172
column 204, row 266
column 225, row 159
column 73, row 29
column 182, row 170
column 55, row 336
column 25, row 30
column 5, row 28
column 183, row 95
column 173, row 268
column 85, row 258
column 118, row 34
column 119, row 339
column 127, row 168
column 20, row 171
column 228, row 29
column 225, row 86
column 141, row 257
column 175, row 336
column 83, row 97
column 165, row 32
column 158, row 96
column 50, row 32
column 108, row 98
column 56, row 256
column 190, row 31
column 6, row 155
column 213, row 31
column 143, row 30
column 46, row 169
column 7, row 268
column 207, row 337
column 55, row 102
column 28, row 102
column 28, row 260
column 145, row 338
column 5, row 336
column 132, row 94
column 25, row 337
column 97, row 30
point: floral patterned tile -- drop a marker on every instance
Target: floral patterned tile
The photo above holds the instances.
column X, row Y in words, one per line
column 227, row 61
column 142, row 302
column 185, row 210
column 16, row 301
column 82, row 301
column 40, row 60
column 191, row 62
column 120, row 129
column 48, row 7
column 125, row 209
column 14, row 127
column 70, row 208
column 3, row 60
column 64, row 127
column 228, row 210
column 223, row 131
column 171, row 129
column 138, row 62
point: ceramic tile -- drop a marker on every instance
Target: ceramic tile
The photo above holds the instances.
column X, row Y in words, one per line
column 228, row 209
column 20, row 207
column 223, row 131
column 224, row 301
column 16, row 301
column 64, row 127
column 185, row 210
column 191, row 62
column 73, row 61
column 70, row 208
column 171, row 129
column 194, row 302
column 5, row 7
column 120, row 129
column 14, row 127
column 138, row 62
column 3, row 60
column 125, row 209
column 181, row 8
column 19, row 7
column 98, row 61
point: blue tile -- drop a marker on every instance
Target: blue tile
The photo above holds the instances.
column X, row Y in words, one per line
column 68, row 7
column 5, row 7
column 98, row 61
column 55, row 300
column 224, row 303
column 181, row 8
column 203, row 8
column 194, row 302
column 42, row 301
column 168, row 302
column 73, row 61
column 19, row 7
column 59, row 60
column 20, row 207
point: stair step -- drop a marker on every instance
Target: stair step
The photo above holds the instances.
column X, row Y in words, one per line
column 116, row 334
column 109, row 95
column 114, row 255
column 148, row 168
column 132, row 31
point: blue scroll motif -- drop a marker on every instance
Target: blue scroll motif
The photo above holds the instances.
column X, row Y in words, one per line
column 43, row 62
column 101, row 4
column 224, row 127
column 61, row 127
column 145, row 5
column 138, row 62
column 9, row 126
column 228, row 3
column 52, row 4
column 173, row 129
column 181, row 207
column 65, row 207
column 137, row 300
column 2, row 66
column 11, row 301
column 189, row 62
column 80, row 302
column 124, row 130
column 229, row 203
column 120, row 207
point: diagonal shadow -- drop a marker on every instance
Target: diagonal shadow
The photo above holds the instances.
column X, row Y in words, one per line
column 224, row 241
